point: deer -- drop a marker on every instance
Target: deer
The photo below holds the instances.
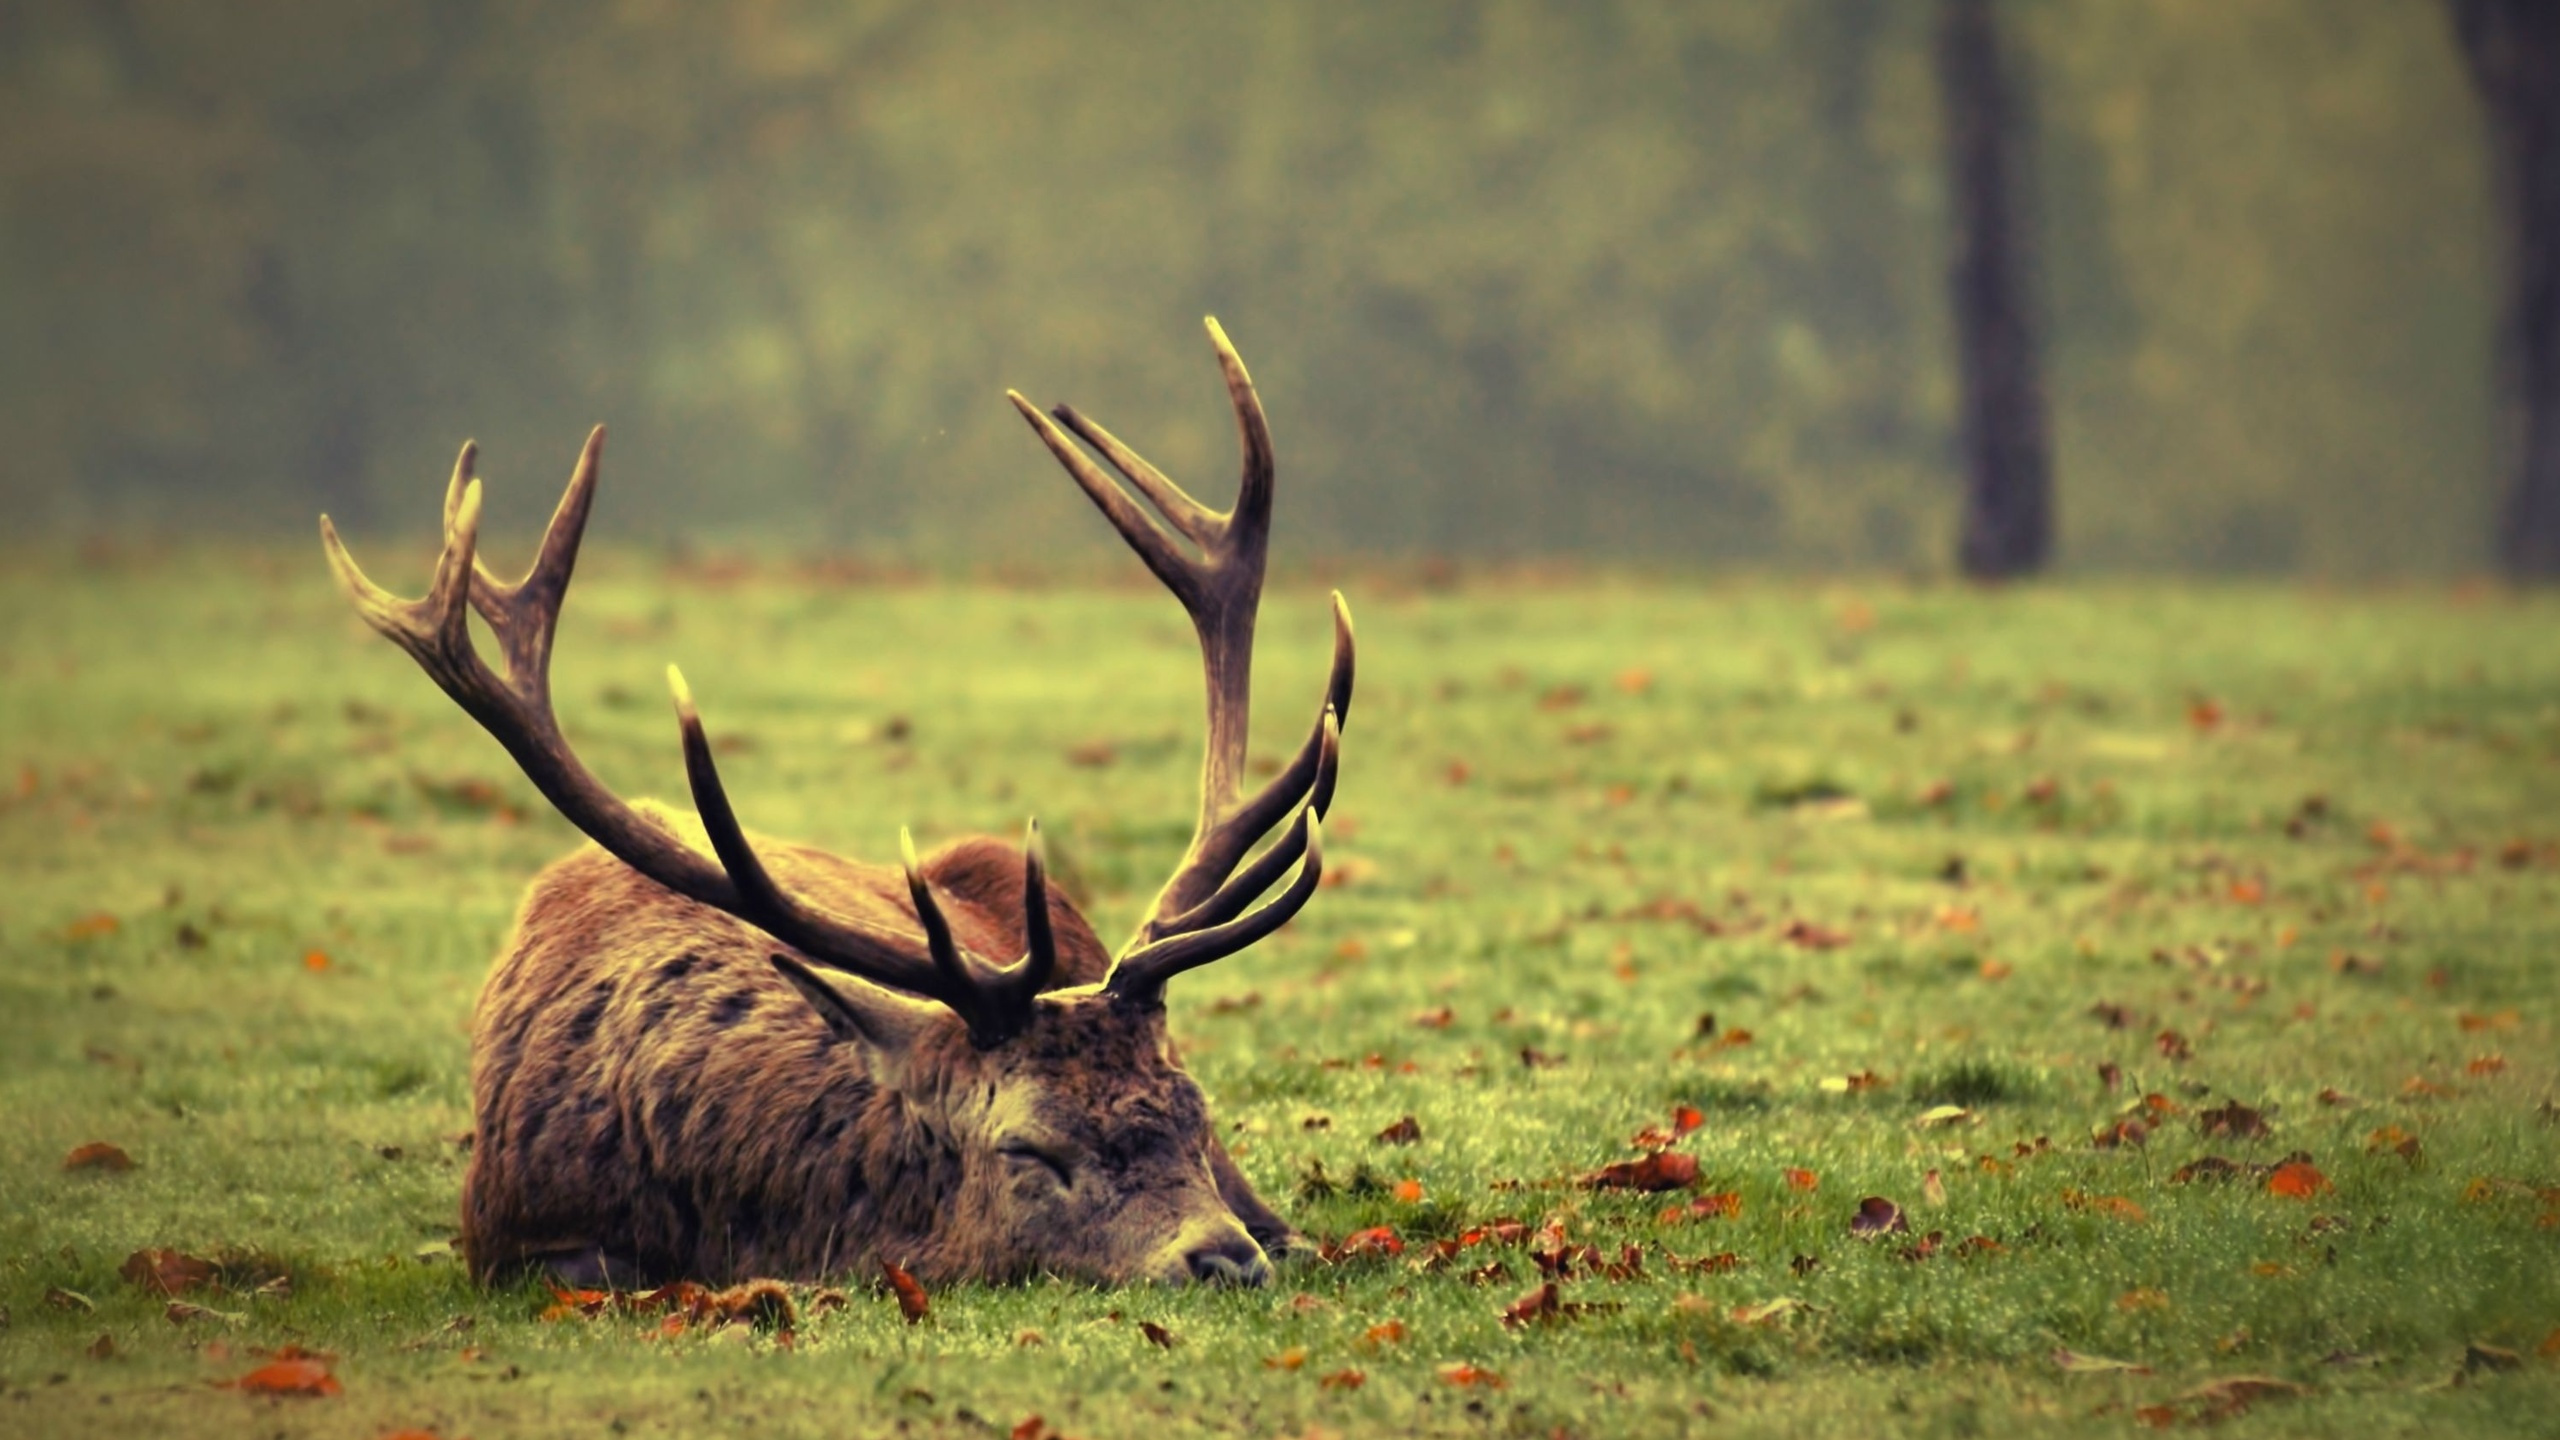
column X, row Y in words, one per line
column 711, row 1055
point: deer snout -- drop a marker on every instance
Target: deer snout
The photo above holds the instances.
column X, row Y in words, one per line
column 1219, row 1254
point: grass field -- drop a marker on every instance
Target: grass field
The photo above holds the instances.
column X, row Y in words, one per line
column 1913, row 848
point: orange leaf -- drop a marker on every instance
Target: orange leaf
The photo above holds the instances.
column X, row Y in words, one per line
column 911, row 1297
column 1385, row 1332
column 2145, row 1298
column 2297, row 1179
column 1635, row 681
column 1380, row 1240
column 295, row 1376
column 2487, row 1064
column 1802, row 1179
column 2549, row 1349
column 1293, row 1358
column 1705, row 1207
column 166, row 1272
column 1661, row 1170
column 97, row 1155
column 1811, row 936
column 1409, row 1191
column 1343, row 1380
column 1462, row 1373
column 1685, row 1118
column 2503, row 1020
column 315, row 960
column 89, row 927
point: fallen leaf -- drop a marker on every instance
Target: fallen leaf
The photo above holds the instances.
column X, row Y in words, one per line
column 179, row 1312
column 2072, row 1362
column 1343, row 1380
column 1538, row 1304
column 1409, row 1191
column 1933, row 1191
column 1157, row 1335
column 103, row 1348
column 2174, row 1045
column 166, row 1272
column 315, row 960
column 912, row 1302
column 2235, row 1120
column 2486, row 1064
column 1378, row 1240
column 1878, row 1216
column 72, row 1300
column 97, row 1155
column 2144, row 1298
column 1769, row 1312
column 1462, row 1373
column 2502, row 1020
column 90, row 927
column 1661, row 1170
column 1634, row 681
column 2229, row 1396
column 1938, row 1115
column 2298, row 1180
column 1704, row 1207
column 2479, row 1355
column 1802, row 1179
column 1439, row 1019
column 1293, row 1358
column 1404, row 1132
column 298, row 1375
column 2207, row 1167
column 2111, row 1205
column 1385, row 1332
column 1810, row 936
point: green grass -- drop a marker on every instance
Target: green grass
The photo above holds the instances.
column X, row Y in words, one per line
column 2004, row 802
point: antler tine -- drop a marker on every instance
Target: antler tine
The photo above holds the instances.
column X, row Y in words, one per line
column 1040, row 943
column 526, row 614
column 964, row 994
column 1253, row 438
column 766, row 905
column 1216, row 852
column 1229, row 899
column 1177, row 570
column 1222, row 590
column 1140, row 975
column 516, row 710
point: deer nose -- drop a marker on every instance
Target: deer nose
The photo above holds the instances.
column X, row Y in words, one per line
column 1227, row 1259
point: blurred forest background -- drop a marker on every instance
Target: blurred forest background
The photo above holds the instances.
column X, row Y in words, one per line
column 1636, row 280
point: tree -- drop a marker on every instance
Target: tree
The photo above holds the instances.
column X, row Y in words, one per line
column 2006, row 438
column 2513, row 50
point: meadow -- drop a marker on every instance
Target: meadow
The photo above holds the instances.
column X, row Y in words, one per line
column 2165, row 972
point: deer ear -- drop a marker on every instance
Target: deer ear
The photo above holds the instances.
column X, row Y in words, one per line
column 860, row 1011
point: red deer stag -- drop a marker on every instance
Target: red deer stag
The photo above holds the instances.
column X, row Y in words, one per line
column 711, row 1055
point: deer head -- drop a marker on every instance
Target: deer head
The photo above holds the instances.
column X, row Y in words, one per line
column 1072, row 1139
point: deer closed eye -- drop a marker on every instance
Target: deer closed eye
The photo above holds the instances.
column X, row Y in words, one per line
column 1031, row 1157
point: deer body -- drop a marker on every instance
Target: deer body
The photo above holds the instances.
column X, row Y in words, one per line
column 712, row 1056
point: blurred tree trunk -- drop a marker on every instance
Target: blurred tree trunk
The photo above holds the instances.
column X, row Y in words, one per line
column 2513, row 49
column 2008, row 508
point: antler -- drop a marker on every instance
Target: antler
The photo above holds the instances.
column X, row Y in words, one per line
column 1201, row 913
column 516, row 709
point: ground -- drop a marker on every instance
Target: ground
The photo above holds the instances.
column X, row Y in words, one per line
column 1968, row 881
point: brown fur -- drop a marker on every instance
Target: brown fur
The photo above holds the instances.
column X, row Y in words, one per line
column 653, row 1099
